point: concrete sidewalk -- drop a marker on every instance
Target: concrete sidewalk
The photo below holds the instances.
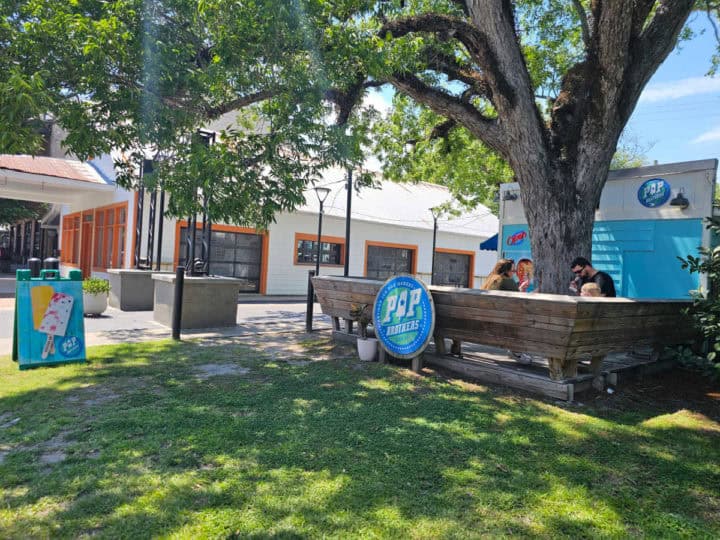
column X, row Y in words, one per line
column 117, row 326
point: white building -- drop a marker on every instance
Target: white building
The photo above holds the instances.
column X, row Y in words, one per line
column 391, row 230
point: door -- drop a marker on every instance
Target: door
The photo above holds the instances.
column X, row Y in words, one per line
column 452, row 269
column 232, row 254
column 86, row 244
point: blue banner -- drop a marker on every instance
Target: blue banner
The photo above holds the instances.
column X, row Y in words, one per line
column 404, row 316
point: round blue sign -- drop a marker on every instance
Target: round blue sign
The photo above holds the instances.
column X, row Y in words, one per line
column 654, row 192
column 404, row 316
column 70, row 346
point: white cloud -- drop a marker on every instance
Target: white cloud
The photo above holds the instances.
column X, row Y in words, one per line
column 679, row 89
column 708, row 136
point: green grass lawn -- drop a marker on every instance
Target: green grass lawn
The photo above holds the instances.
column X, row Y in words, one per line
column 192, row 440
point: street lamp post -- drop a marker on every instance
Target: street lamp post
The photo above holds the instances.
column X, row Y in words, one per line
column 346, row 268
column 435, row 214
column 322, row 193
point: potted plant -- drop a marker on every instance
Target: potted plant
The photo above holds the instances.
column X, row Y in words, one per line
column 367, row 347
column 95, row 295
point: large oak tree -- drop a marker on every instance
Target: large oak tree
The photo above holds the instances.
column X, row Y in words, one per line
column 546, row 85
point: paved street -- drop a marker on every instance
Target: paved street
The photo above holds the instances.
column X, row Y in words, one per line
column 255, row 314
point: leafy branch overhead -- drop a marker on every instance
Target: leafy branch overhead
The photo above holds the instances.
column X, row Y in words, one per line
column 540, row 88
column 140, row 77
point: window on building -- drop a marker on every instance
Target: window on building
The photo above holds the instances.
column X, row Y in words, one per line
column 99, row 238
column 332, row 250
column 110, row 236
column 386, row 261
column 452, row 269
column 71, row 239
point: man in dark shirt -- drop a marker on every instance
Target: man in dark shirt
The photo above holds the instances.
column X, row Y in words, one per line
column 582, row 268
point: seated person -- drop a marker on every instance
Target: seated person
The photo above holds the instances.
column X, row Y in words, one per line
column 582, row 268
column 590, row 289
column 500, row 279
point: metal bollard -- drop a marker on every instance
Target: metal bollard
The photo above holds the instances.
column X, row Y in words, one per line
column 310, row 302
column 51, row 263
column 34, row 265
column 177, row 303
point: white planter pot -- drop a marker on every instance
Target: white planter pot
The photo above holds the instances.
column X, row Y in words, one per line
column 367, row 349
column 94, row 304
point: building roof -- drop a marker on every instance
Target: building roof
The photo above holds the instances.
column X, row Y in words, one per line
column 400, row 205
column 55, row 167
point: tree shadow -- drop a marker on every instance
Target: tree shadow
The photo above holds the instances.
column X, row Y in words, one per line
column 328, row 448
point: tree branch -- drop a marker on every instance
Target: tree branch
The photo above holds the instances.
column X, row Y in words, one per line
column 442, row 130
column 640, row 15
column 212, row 112
column 448, row 65
column 476, row 43
column 583, row 22
column 651, row 48
column 453, row 108
column 713, row 24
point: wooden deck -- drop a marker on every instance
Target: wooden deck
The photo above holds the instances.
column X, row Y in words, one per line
column 577, row 343
column 497, row 366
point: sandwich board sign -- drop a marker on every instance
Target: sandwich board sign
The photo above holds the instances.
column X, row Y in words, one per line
column 404, row 316
column 49, row 327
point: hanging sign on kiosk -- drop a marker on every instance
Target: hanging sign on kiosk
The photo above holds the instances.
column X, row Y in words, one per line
column 404, row 316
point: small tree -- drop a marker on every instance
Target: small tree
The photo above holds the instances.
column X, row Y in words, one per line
column 705, row 311
column 12, row 210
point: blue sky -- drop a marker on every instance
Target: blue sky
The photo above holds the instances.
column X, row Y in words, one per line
column 678, row 116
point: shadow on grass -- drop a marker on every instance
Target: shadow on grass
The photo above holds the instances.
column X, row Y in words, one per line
column 337, row 448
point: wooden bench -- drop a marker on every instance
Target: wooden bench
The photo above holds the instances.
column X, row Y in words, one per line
column 564, row 329
column 561, row 328
column 338, row 294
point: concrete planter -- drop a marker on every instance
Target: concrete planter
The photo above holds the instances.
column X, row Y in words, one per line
column 367, row 349
column 94, row 303
column 132, row 290
column 208, row 302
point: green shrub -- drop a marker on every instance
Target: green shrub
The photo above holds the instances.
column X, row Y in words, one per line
column 93, row 285
column 705, row 310
column 687, row 359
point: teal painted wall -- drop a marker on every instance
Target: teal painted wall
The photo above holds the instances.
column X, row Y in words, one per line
column 641, row 256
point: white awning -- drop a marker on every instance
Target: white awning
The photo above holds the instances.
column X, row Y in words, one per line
column 51, row 180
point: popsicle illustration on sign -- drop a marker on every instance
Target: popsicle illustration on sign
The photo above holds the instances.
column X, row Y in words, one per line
column 40, row 297
column 55, row 321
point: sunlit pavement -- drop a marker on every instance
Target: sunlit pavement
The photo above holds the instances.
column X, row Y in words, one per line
column 256, row 315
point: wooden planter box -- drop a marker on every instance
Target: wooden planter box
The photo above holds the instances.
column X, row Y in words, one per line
column 564, row 329
column 208, row 302
column 131, row 290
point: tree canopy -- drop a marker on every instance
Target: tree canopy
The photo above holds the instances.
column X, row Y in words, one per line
column 140, row 77
column 542, row 88
column 548, row 86
column 12, row 211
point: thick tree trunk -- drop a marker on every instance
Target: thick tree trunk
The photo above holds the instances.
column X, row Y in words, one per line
column 561, row 231
column 560, row 217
